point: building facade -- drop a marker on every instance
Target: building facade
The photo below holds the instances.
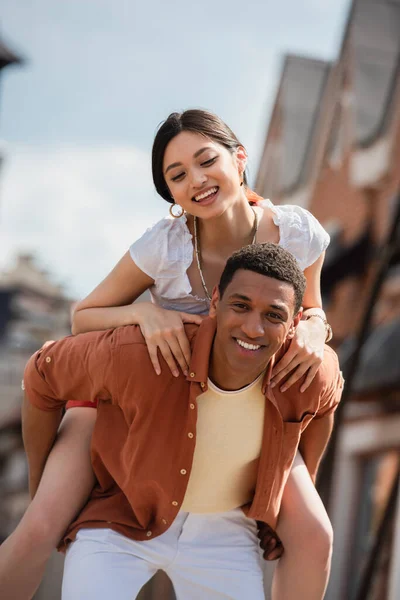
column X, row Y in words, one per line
column 333, row 146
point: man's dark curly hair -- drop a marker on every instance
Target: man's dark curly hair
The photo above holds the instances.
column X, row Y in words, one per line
column 270, row 260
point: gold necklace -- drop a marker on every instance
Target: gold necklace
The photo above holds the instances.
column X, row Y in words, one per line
column 198, row 251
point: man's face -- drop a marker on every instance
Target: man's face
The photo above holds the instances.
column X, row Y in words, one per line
column 254, row 318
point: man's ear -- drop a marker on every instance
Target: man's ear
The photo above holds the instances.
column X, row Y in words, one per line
column 295, row 322
column 214, row 301
column 241, row 157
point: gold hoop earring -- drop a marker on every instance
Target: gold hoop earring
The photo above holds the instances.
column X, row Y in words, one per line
column 176, row 216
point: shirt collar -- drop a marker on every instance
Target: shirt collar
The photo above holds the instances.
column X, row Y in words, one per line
column 199, row 364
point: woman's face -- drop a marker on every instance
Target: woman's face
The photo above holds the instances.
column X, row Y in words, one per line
column 203, row 176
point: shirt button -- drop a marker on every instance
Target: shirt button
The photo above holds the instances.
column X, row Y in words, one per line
column 190, row 435
column 149, row 534
column 192, row 406
column 192, row 374
column 203, row 385
column 174, row 503
column 163, row 521
column 23, row 385
column 48, row 359
column 183, row 471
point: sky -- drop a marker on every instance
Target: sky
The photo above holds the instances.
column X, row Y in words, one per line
column 78, row 118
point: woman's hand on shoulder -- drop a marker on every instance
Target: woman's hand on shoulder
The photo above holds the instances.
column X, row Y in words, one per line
column 164, row 330
column 303, row 357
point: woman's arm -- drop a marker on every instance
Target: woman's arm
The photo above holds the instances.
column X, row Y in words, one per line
column 312, row 295
column 110, row 305
column 314, row 441
column 306, row 350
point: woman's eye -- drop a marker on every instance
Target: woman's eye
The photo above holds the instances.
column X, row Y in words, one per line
column 209, row 162
column 178, row 177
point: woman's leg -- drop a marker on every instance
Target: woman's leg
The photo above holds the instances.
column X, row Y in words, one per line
column 64, row 488
column 306, row 533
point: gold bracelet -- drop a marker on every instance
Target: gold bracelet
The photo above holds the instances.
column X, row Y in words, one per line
column 329, row 332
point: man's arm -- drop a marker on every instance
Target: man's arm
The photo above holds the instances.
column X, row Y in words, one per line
column 39, row 430
column 75, row 368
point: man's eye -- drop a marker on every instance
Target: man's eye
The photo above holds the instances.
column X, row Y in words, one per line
column 275, row 316
column 209, row 162
column 178, row 177
column 240, row 306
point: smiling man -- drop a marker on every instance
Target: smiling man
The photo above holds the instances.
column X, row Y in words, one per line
column 186, row 466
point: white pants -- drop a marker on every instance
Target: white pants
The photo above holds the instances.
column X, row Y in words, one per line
column 207, row 557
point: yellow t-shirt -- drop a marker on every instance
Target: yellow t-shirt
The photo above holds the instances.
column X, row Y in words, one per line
column 229, row 435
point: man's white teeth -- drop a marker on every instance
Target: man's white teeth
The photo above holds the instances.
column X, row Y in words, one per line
column 247, row 346
column 200, row 197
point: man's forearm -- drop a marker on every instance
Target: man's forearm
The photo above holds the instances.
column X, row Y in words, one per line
column 39, row 430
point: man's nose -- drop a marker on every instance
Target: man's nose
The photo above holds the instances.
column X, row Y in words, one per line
column 252, row 326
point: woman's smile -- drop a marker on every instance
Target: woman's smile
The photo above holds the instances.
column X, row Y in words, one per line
column 207, row 196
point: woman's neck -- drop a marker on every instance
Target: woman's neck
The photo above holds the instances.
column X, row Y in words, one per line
column 230, row 231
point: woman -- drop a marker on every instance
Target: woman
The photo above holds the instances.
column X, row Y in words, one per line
column 198, row 167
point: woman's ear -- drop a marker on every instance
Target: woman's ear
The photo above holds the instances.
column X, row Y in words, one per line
column 241, row 158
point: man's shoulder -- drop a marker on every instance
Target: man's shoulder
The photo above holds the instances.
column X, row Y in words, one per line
column 328, row 374
column 191, row 330
column 131, row 334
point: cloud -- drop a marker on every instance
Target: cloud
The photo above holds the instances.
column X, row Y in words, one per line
column 77, row 209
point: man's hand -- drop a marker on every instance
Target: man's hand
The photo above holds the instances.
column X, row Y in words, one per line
column 269, row 542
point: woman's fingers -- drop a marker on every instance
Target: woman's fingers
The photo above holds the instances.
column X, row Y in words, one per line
column 312, row 371
column 176, row 341
column 292, row 364
column 296, row 375
column 282, row 366
column 152, row 350
column 165, row 333
column 189, row 318
column 185, row 348
column 168, row 357
column 171, row 350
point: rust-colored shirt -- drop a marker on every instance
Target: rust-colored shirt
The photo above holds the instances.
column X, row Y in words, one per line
column 145, row 433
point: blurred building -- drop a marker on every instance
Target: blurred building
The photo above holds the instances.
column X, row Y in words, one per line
column 32, row 310
column 333, row 147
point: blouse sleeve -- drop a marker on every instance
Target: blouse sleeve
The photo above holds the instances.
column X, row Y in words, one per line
column 301, row 233
column 164, row 252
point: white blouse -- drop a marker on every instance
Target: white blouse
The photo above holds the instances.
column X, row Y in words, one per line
column 165, row 252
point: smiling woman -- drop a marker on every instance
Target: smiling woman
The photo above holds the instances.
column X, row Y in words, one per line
column 199, row 165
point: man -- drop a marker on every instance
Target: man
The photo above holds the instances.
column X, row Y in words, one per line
column 185, row 466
